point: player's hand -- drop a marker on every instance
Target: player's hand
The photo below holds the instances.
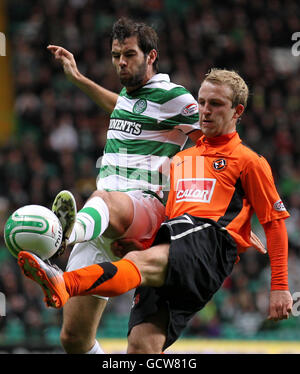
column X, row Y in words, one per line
column 281, row 304
column 257, row 244
column 122, row 246
column 66, row 59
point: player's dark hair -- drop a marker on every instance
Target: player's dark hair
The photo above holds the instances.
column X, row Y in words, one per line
column 146, row 36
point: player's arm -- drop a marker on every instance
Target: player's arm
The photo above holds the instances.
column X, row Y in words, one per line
column 281, row 301
column 106, row 99
column 260, row 189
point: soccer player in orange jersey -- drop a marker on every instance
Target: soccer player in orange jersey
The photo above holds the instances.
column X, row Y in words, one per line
column 215, row 188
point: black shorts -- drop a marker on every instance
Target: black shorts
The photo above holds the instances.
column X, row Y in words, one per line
column 202, row 255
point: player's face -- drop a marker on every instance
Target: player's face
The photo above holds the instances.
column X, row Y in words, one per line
column 130, row 62
column 217, row 117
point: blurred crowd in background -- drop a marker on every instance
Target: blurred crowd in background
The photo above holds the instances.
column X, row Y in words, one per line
column 60, row 134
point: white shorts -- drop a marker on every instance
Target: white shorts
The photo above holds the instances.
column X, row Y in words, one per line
column 149, row 213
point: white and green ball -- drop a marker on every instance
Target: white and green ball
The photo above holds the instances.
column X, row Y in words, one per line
column 33, row 228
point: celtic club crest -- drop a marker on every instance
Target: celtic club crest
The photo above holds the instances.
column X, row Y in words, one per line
column 140, row 106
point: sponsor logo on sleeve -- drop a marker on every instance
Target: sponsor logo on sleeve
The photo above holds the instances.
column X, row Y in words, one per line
column 195, row 190
column 189, row 109
column 279, row 206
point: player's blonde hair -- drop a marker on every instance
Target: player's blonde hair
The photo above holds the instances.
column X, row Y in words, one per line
column 231, row 78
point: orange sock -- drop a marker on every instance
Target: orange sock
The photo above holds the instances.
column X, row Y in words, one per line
column 105, row 279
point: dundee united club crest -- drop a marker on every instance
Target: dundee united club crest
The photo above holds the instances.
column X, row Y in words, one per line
column 140, row 106
column 219, row 164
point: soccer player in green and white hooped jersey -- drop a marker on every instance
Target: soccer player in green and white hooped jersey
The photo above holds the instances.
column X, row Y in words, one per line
column 147, row 127
column 150, row 121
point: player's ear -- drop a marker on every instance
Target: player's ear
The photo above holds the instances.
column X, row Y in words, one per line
column 152, row 55
column 239, row 110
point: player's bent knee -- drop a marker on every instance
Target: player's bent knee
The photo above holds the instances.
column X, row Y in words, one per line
column 143, row 346
column 68, row 340
column 138, row 347
column 74, row 343
column 152, row 264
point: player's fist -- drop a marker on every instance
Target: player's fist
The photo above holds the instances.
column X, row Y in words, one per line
column 281, row 304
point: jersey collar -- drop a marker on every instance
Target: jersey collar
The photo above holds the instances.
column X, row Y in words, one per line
column 219, row 144
column 158, row 78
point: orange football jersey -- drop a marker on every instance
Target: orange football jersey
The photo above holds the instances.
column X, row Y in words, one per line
column 224, row 180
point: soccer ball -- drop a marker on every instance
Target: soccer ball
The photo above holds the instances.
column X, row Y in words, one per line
column 33, row 228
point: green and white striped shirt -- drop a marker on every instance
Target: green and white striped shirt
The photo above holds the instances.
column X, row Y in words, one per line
column 147, row 128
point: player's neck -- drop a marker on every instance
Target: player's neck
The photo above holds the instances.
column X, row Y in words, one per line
column 147, row 77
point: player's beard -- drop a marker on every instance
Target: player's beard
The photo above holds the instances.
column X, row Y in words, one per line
column 137, row 79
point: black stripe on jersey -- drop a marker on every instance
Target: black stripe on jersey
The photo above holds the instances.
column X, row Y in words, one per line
column 235, row 206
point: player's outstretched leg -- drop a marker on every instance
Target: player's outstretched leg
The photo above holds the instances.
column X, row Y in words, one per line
column 64, row 207
column 104, row 279
column 49, row 277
